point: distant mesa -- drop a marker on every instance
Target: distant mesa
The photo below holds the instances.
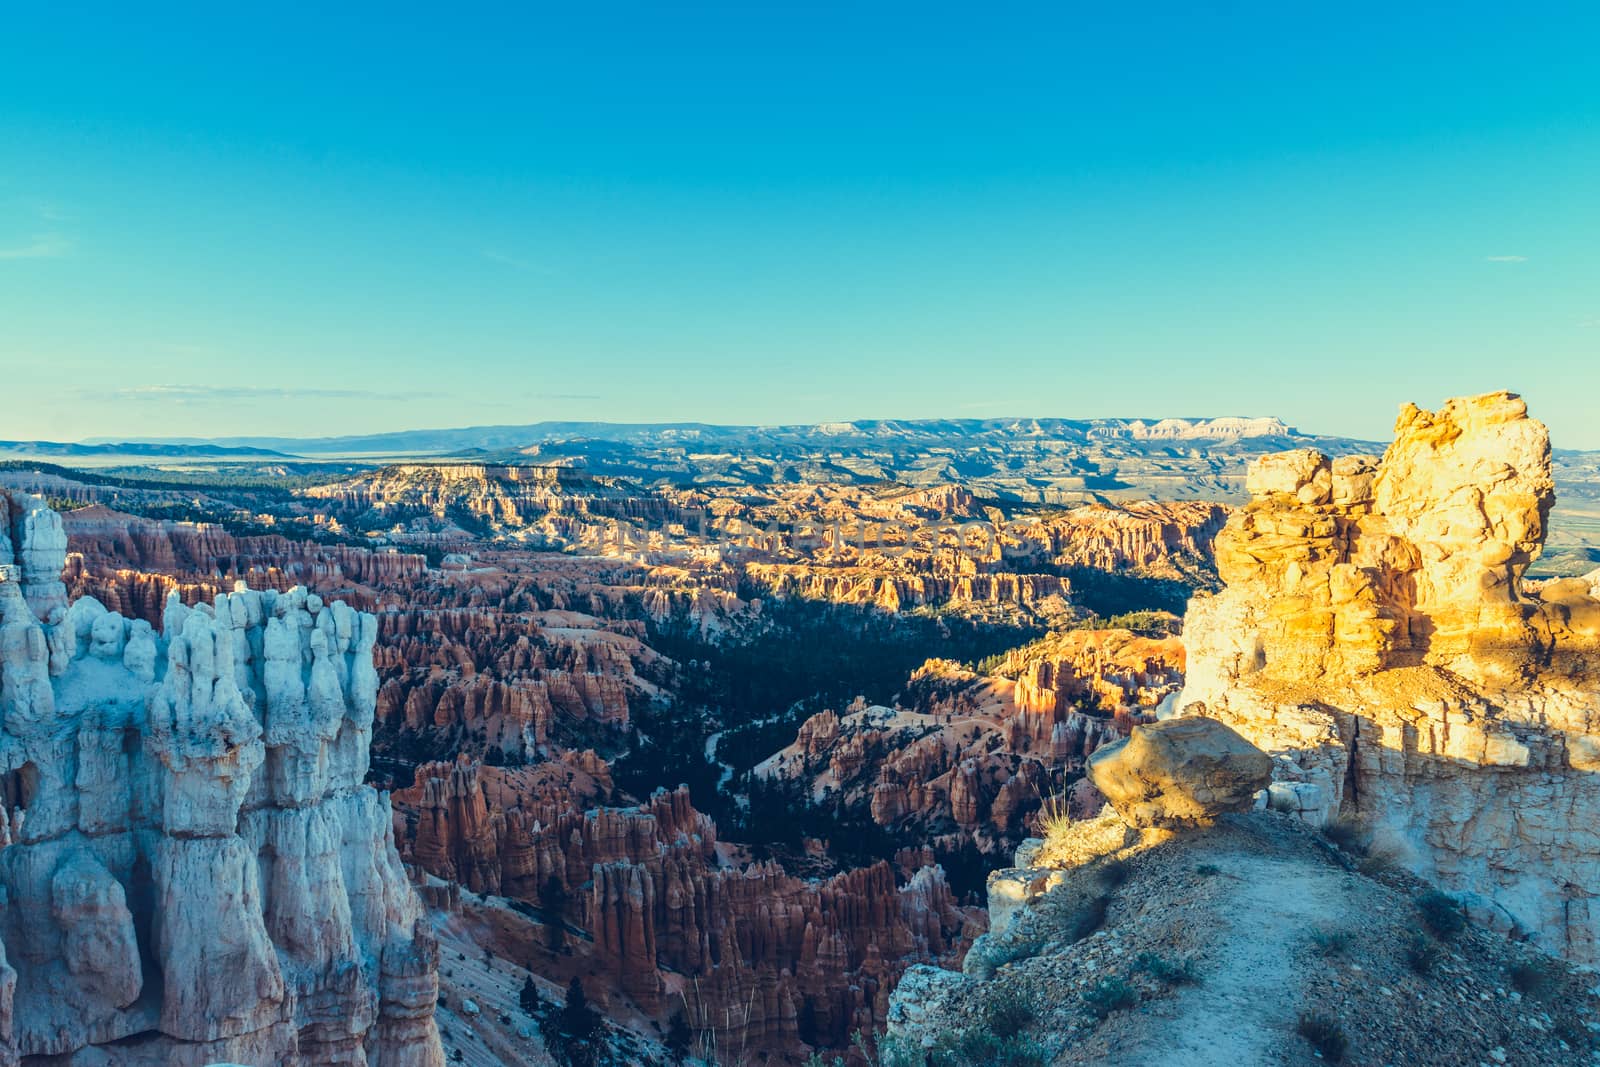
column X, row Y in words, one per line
column 492, row 438
column 155, row 449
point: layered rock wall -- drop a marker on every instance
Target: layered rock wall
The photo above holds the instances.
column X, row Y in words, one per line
column 114, row 552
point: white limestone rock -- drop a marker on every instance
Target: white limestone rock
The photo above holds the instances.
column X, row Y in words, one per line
column 99, row 943
column 190, row 805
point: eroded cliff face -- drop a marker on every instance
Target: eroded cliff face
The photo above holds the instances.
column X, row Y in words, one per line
column 1376, row 635
column 191, row 865
column 664, row 917
column 131, row 564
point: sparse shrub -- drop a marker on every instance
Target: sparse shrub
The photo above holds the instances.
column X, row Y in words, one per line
column 1349, row 836
column 1422, row 955
column 1092, row 918
column 974, row 1045
column 885, row 1050
column 1208, row 870
column 1114, row 872
column 1571, row 1029
column 1024, row 1052
column 1008, row 1010
column 983, row 1047
column 1109, row 995
column 1441, row 913
column 1331, row 942
column 1378, row 861
column 1534, row 978
column 899, row 1052
column 1325, row 1035
column 1170, row 972
column 1054, row 818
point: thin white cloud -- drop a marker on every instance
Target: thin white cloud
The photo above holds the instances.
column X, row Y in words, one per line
column 233, row 394
column 43, row 246
column 1505, row 259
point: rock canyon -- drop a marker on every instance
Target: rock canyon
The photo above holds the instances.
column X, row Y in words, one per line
column 734, row 736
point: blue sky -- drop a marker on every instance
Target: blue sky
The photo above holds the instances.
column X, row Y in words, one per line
column 219, row 221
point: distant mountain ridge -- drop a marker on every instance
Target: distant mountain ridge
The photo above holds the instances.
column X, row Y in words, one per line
column 158, row 449
column 907, row 431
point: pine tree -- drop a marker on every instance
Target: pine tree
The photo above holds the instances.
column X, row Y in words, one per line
column 679, row 1037
column 572, row 1035
column 552, row 903
column 529, row 997
column 578, row 1017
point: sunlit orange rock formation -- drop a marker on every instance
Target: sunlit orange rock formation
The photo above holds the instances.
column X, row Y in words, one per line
column 1377, row 635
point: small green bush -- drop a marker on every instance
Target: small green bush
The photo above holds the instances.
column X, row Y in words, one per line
column 1534, row 978
column 1325, row 1035
column 974, row 1046
column 1024, row 1053
column 971, row 1047
column 1349, row 836
column 1441, row 913
column 1171, row 972
column 1379, row 861
column 1006, row 1011
column 1422, row 955
column 1571, row 1029
column 1331, row 942
column 1109, row 995
column 891, row 1051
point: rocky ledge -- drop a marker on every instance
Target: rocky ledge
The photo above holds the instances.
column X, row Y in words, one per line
column 1236, row 938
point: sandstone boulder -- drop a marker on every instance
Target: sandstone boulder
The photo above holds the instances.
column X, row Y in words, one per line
column 1180, row 772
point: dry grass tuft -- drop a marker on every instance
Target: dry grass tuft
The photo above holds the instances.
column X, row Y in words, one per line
column 1054, row 820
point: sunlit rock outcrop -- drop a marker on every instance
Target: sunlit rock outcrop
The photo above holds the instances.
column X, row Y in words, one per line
column 1377, row 636
column 192, row 867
